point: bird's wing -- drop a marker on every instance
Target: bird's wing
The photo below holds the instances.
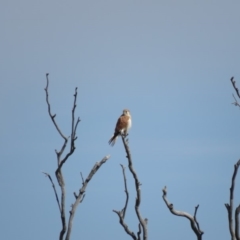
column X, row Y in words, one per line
column 122, row 123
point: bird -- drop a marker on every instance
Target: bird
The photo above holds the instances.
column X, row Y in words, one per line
column 123, row 124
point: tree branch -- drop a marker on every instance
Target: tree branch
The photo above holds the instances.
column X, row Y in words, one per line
column 236, row 102
column 121, row 214
column 126, row 191
column 137, row 186
column 230, row 205
column 82, row 178
column 195, row 217
column 124, row 225
column 54, row 189
column 139, row 231
column 73, row 132
column 237, row 91
column 81, row 194
column 234, row 86
column 49, row 111
column 60, row 161
column 193, row 222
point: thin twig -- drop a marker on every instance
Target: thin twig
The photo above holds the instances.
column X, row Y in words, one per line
column 82, row 198
column 195, row 217
column 126, row 191
column 234, row 86
column 229, row 206
column 82, row 178
column 194, row 225
column 54, row 189
column 236, row 102
column 237, row 91
column 81, row 194
column 73, row 114
column 121, row 214
column 73, row 132
column 49, row 111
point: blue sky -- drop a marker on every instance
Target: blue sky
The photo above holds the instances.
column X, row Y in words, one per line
column 169, row 62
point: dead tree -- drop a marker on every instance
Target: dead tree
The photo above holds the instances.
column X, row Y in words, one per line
column 142, row 225
column 62, row 157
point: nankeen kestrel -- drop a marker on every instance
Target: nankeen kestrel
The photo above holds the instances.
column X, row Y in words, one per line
column 123, row 125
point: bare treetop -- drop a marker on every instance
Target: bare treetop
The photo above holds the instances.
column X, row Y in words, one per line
column 67, row 227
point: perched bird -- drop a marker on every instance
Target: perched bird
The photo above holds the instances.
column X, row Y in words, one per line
column 123, row 125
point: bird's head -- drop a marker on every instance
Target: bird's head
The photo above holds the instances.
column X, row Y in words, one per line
column 126, row 112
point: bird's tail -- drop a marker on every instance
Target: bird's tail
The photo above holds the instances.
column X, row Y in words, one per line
column 113, row 139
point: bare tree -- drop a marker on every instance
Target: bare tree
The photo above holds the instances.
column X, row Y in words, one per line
column 61, row 159
column 142, row 225
column 142, row 233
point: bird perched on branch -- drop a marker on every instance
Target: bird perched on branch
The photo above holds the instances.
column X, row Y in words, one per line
column 123, row 125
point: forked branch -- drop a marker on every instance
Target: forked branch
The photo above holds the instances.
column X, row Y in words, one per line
column 121, row 214
column 142, row 222
column 60, row 160
column 124, row 225
column 80, row 196
column 58, row 172
column 229, row 206
column 234, row 86
column 193, row 219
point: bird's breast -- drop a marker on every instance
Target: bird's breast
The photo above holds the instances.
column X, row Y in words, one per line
column 129, row 123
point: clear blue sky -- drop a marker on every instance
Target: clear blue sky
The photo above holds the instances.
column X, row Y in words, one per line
column 169, row 62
